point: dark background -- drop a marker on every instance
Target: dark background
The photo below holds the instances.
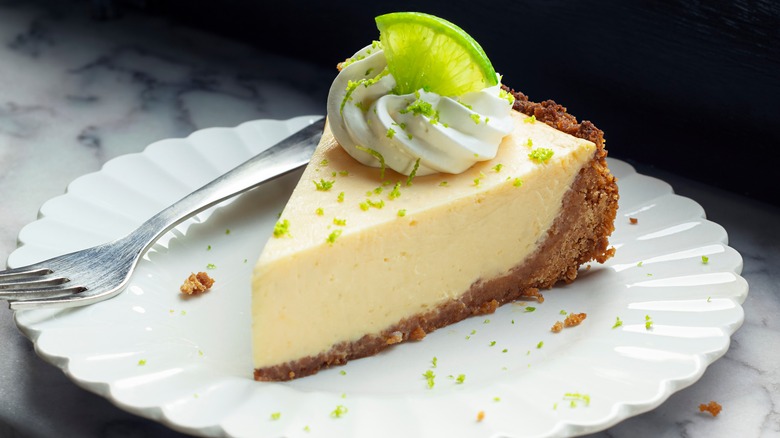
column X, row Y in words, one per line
column 686, row 86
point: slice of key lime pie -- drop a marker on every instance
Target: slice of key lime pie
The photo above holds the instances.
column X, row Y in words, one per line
column 436, row 193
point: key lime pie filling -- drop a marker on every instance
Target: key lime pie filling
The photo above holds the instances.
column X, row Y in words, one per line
column 421, row 208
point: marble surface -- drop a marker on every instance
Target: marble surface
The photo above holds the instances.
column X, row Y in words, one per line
column 75, row 93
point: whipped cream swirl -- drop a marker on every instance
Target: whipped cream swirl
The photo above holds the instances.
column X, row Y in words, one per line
column 421, row 130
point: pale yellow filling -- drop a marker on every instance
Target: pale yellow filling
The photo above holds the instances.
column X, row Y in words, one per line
column 309, row 294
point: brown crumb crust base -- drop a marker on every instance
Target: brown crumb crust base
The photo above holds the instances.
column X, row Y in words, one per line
column 593, row 197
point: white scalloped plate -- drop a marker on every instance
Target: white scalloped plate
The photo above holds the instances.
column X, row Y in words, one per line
column 186, row 362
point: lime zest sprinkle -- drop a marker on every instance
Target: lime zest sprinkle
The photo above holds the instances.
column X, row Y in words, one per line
column 211, row 266
column 517, row 182
column 208, row 248
column 343, row 373
column 339, row 222
column 434, row 362
column 390, row 133
column 529, row 142
column 282, row 228
column 402, row 212
column 344, row 172
column 349, row 61
column 618, row 322
column 395, row 193
column 306, row 428
column 506, row 95
column 429, row 378
column 339, row 412
column 141, row 362
column 413, row 173
column 648, row 322
column 530, row 309
column 376, row 204
column 319, row 211
column 575, row 397
column 443, row 184
column 541, row 155
column 497, row 168
column 352, row 86
column 333, row 236
column 705, row 260
column 340, row 197
column 639, row 265
column 563, row 312
column 492, row 343
column 460, row 379
column 530, row 119
column 421, row 107
column 323, row 186
column 275, row 416
column 475, row 118
column 323, row 163
column 376, row 155
column 540, row 344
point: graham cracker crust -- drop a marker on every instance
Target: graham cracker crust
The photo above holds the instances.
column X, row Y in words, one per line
column 593, row 198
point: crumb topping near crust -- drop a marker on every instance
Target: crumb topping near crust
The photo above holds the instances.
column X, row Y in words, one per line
column 196, row 284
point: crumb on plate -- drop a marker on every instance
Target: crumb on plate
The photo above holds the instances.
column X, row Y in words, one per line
column 196, row 284
column 574, row 319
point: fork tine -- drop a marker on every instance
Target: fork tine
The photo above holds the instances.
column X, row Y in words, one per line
column 71, row 297
column 31, row 284
column 23, row 272
column 42, row 293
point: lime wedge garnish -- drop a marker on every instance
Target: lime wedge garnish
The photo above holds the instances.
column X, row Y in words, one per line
column 424, row 51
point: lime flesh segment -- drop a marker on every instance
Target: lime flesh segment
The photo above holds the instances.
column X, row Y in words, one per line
column 424, row 51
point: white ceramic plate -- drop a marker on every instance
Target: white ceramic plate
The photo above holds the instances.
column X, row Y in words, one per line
column 186, row 362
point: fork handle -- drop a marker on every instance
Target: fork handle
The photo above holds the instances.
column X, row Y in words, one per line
column 291, row 153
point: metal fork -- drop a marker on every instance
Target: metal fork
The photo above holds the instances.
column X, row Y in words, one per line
column 101, row 272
